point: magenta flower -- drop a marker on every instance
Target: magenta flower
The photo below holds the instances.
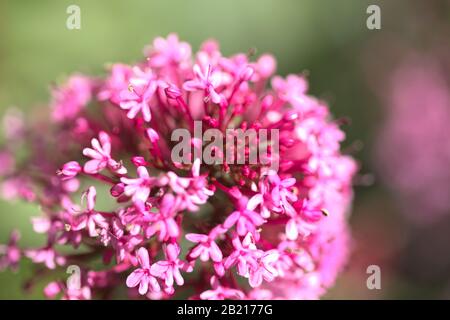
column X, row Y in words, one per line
column 170, row 51
column 219, row 292
column 89, row 219
column 139, row 188
column 245, row 219
column 70, row 170
column 208, row 81
column 274, row 229
column 46, row 255
column 169, row 270
column 101, row 156
column 163, row 222
column 70, row 99
column 206, row 248
column 142, row 275
column 116, row 83
column 191, row 192
column 136, row 98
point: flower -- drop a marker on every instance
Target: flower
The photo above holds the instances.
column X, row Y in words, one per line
column 142, row 275
column 117, row 81
column 137, row 96
column 101, row 156
column 245, row 218
column 164, row 222
column 90, row 218
column 46, row 255
column 280, row 224
column 70, row 170
column 219, row 292
column 170, row 51
column 70, row 99
column 169, row 270
column 206, row 248
column 138, row 188
column 208, row 81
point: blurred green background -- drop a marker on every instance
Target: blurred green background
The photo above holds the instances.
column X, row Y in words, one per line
column 327, row 38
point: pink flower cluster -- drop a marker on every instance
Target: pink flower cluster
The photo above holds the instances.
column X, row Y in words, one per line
column 165, row 229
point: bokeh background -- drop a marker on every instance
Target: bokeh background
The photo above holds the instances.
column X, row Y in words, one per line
column 401, row 214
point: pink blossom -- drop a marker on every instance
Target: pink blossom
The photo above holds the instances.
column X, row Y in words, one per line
column 191, row 192
column 169, row 270
column 163, row 222
column 139, row 188
column 142, row 276
column 117, row 81
column 412, row 151
column 219, row 292
column 71, row 98
column 252, row 263
column 46, row 255
column 136, row 98
column 69, row 170
column 208, row 81
column 101, row 156
column 170, row 51
column 90, row 219
column 245, row 219
column 205, row 249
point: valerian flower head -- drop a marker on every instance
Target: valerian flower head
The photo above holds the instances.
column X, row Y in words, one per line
column 102, row 171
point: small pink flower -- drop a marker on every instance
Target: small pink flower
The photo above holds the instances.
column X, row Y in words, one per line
column 220, row 292
column 265, row 66
column 304, row 222
column 52, row 289
column 169, row 270
column 245, row 218
column 208, row 81
column 136, row 98
column 275, row 196
column 168, row 51
column 291, row 89
column 163, row 222
column 205, row 249
column 69, row 170
column 243, row 254
column 264, row 269
column 101, row 156
column 117, row 81
column 191, row 192
column 46, row 255
column 139, row 188
column 71, row 98
column 90, row 218
column 142, row 276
